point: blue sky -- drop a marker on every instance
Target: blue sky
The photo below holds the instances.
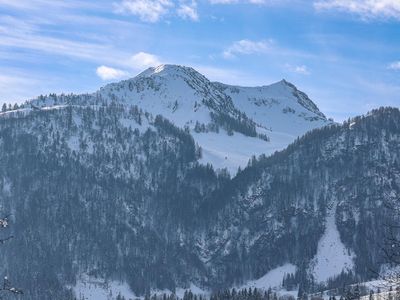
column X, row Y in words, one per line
column 345, row 54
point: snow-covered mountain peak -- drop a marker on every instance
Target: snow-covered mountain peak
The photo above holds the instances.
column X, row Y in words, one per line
column 300, row 96
column 165, row 69
column 179, row 93
column 172, row 71
column 282, row 94
column 230, row 123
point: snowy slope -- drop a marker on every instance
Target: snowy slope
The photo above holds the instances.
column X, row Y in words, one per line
column 178, row 93
column 273, row 279
column 185, row 97
column 332, row 256
column 280, row 108
column 231, row 152
column 92, row 288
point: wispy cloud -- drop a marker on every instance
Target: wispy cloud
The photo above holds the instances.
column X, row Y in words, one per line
column 64, row 47
column 147, row 10
column 137, row 62
column 394, row 66
column 247, row 47
column 108, row 73
column 153, row 11
column 26, row 35
column 47, row 4
column 302, row 69
column 144, row 60
column 188, row 11
column 17, row 34
column 365, row 8
column 259, row 2
column 223, row 1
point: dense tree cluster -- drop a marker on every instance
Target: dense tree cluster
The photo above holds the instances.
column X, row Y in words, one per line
column 241, row 124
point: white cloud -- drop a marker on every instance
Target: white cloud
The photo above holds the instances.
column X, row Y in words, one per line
column 247, row 47
column 139, row 61
column 365, row 8
column 40, row 5
column 107, row 73
column 394, row 66
column 302, row 69
column 147, row 10
column 223, row 1
column 237, row 1
column 188, row 11
column 144, row 60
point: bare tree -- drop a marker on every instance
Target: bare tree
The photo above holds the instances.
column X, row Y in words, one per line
column 7, row 286
column 390, row 248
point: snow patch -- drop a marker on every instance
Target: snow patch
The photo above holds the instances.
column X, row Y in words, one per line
column 277, row 108
column 73, row 143
column 231, row 152
column 273, row 279
column 332, row 256
column 6, row 186
column 180, row 292
column 90, row 288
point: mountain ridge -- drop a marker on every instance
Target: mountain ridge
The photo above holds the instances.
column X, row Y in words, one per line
column 221, row 118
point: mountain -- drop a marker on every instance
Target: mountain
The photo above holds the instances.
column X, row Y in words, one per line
column 319, row 205
column 107, row 194
column 229, row 123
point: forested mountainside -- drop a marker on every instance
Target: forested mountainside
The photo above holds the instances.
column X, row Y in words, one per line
column 112, row 192
column 319, row 205
column 129, row 185
column 91, row 190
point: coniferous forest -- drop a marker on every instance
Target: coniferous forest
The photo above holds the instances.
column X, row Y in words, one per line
column 91, row 190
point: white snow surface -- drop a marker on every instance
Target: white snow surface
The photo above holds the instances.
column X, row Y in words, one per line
column 276, row 108
column 166, row 91
column 179, row 292
column 90, row 288
column 332, row 256
column 273, row 279
column 230, row 152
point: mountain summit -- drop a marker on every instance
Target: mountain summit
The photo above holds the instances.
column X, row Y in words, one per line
column 229, row 123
